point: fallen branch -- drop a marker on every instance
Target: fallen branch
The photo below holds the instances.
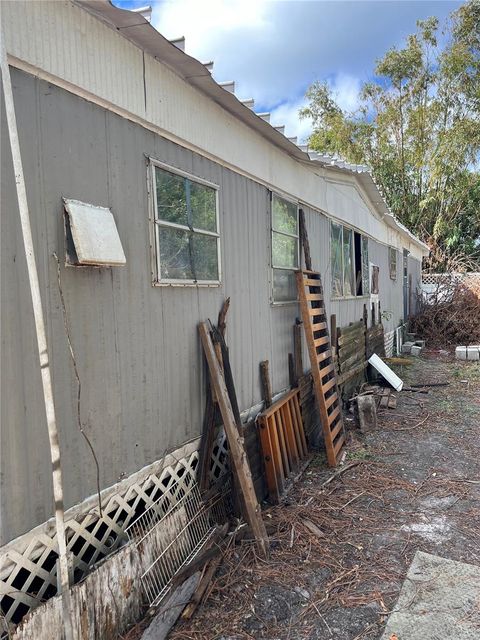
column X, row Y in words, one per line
column 313, row 528
column 340, row 471
column 419, row 424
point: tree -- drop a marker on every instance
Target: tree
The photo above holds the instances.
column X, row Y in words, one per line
column 418, row 128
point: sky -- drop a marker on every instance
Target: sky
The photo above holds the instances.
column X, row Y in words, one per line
column 274, row 49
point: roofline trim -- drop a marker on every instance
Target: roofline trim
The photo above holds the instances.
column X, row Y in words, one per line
column 138, row 30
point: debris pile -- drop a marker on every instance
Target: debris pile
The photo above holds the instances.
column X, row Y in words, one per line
column 450, row 316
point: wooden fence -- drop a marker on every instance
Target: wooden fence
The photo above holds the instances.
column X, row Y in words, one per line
column 353, row 345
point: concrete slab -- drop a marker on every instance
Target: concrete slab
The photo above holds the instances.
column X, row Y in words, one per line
column 439, row 600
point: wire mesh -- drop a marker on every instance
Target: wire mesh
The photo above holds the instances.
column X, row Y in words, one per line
column 174, row 533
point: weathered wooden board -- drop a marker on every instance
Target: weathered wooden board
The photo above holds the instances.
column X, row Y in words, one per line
column 235, row 441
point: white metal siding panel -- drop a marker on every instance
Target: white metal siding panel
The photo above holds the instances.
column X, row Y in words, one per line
column 137, row 347
column 71, row 45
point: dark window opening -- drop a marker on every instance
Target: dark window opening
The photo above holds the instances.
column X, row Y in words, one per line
column 358, row 264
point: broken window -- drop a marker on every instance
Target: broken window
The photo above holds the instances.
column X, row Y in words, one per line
column 285, row 247
column 186, row 228
column 392, row 262
column 91, row 235
column 349, row 262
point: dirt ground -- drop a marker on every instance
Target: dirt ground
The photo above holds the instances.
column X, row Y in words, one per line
column 415, row 485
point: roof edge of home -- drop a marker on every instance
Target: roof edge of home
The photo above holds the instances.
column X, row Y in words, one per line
column 142, row 34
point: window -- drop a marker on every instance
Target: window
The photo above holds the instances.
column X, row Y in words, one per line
column 392, row 262
column 349, row 262
column 284, row 249
column 187, row 242
column 375, row 279
column 365, row 267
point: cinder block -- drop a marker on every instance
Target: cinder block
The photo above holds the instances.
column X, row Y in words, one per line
column 461, row 353
column 415, row 350
column 420, row 343
column 367, row 413
column 406, row 347
column 473, row 353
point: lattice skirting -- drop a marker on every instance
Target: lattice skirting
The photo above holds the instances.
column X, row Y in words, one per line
column 448, row 278
column 28, row 573
column 389, row 339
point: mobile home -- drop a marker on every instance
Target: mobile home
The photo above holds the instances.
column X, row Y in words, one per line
column 119, row 129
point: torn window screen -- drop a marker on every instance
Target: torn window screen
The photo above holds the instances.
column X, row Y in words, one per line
column 348, row 262
column 91, row 235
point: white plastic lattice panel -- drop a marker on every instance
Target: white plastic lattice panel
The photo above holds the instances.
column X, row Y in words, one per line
column 28, row 564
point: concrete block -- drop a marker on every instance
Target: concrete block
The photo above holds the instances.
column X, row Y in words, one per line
column 415, row 350
column 420, row 343
column 437, row 600
column 407, row 346
column 473, row 353
column 367, row 413
column 461, row 353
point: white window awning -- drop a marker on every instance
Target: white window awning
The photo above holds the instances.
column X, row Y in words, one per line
column 92, row 235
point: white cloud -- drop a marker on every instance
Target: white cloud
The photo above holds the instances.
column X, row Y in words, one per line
column 346, row 89
column 274, row 50
column 287, row 114
column 202, row 22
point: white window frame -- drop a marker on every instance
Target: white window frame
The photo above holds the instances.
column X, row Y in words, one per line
column 346, row 226
column 392, row 251
column 157, row 223
column 273, row 194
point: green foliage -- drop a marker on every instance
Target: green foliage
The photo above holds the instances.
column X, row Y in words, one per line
column 418, row 128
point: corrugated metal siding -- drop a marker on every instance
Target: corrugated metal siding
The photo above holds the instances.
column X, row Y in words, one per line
column 414, row 268
column 71, row 45
column 391, row 291
column 137, row 348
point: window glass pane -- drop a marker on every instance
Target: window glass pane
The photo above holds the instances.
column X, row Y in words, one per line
column 365, row 270
column 284, row 286
column 174, row 254
column 171, row 197
column 348, row 276
column 284, row 216
column 392, row 254
column 203, row 204
column 284, row 251
column 336, row 259
column 205, row 257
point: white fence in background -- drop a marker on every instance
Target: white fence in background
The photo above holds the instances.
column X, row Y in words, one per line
column 439, row 287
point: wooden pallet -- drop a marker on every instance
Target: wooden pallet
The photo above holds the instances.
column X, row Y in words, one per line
column 310, row 294
column 283, row 441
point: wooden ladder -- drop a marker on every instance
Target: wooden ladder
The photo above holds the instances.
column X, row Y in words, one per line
column 310, row 294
